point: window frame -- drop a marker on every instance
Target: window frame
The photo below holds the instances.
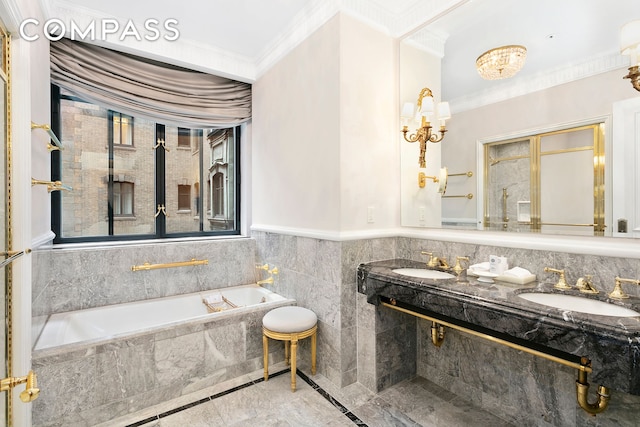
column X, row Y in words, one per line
column 160, row 196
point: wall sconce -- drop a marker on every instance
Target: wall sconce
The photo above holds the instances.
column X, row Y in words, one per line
column 424, row 112
column 630, row 45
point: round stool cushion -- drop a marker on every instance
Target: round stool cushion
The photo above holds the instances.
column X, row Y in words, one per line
column 289, row 319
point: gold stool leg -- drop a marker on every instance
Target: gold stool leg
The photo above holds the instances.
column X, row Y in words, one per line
column 313, row 354
column 286, row 352
column 294, row 348
column 265, row 350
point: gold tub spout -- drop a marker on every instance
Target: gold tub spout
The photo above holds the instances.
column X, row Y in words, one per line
column 582, row 392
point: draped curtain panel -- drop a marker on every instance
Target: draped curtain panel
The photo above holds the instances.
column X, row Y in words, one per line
column 147, row 89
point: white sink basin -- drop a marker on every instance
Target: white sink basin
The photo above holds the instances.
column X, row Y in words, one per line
column 582, row 305
column 423, row 273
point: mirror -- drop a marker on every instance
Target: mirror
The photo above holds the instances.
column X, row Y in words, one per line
column 554, row 91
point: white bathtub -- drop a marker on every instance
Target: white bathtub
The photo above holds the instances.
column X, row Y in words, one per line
column 128, row 318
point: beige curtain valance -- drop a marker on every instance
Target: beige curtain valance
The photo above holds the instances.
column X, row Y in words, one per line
column 151, row 90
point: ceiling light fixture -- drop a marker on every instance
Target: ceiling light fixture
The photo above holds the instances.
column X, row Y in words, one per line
column 501, row 62
column 630, row 45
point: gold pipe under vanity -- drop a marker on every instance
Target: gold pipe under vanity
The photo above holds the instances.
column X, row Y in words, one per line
column 584, row 367
column 147, row 266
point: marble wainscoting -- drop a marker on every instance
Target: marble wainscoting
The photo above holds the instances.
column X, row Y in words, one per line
column 87, row 384
column 321, row 275
column 75, row 278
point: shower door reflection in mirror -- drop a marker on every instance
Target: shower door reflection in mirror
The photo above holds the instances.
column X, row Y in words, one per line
column 549, row 183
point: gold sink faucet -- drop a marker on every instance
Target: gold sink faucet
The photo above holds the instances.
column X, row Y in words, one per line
column 457, row 269
column 433, row 260
column 617, row 292
column 584, row 285
column 562, row 282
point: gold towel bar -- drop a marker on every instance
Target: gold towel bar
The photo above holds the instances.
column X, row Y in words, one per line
column 468, row 196
column 496, row 340
column 57, row 145
column 147, row 266
column 467, row 174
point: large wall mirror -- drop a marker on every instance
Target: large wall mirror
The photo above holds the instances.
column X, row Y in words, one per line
column 567, row 117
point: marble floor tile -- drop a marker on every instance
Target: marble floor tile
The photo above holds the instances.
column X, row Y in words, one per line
column 250, row 401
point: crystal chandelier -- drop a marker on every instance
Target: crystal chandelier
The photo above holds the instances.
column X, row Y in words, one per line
column 501, row 62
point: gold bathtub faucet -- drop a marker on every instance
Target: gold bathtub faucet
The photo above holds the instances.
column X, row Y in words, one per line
column 270, row 279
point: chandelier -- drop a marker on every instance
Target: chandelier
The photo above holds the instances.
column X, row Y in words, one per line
column 630, row 45
column 501, row 62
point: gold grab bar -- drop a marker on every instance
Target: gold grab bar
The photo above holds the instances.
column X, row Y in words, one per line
column 515, row 346
column 147, row 266
column 468, row 196
column 493, row 161
column 57, row 145
column 51, row 185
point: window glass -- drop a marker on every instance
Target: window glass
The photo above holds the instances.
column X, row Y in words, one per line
column 150, row 190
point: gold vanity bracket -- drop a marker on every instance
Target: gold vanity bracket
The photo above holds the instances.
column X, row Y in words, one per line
column 57, row 145
column 51, row 185
column 584, row 367
column 31, row 391
column 147, row 266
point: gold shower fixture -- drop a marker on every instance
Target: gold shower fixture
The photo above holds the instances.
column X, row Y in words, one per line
column 425, row 112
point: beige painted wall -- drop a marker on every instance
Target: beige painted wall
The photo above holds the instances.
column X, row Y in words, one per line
column 324, row 149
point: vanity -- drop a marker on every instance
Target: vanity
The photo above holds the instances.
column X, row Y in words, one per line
column 497, row 312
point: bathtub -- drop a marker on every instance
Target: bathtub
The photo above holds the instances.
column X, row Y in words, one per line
column 115, row 321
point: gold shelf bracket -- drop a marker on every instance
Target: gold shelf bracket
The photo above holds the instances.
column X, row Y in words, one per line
column 51, row 185
column 57, row 145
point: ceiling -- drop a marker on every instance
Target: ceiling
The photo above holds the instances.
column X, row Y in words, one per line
column 565, row 40
column 243, row 38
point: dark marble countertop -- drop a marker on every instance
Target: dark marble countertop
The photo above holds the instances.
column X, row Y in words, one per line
column 611, row 343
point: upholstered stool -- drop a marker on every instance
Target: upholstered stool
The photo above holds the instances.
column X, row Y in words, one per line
column 289, row 324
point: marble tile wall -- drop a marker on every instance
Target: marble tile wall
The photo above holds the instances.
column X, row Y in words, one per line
column 321, row 275
column 97, row 383
column 77, row 278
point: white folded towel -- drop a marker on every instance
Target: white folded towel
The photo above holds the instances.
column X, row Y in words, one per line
column 517, row 272
column 481, row 266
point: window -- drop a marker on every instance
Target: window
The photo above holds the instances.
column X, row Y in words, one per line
column 126, row 194
column 184, row 137
column 184, row 197
column 123, row 199
column 218, row 194
column 122, row 129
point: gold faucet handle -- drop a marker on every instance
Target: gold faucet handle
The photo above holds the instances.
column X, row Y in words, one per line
column 562, row 282
column 433, row 261
column 457, row 269
column 617, row 292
